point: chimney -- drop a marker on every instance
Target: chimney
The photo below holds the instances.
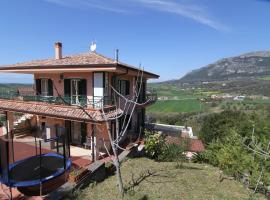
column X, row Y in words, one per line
column 116, row 57
column 58, row 50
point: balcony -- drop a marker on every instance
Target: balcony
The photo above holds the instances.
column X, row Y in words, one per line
column 83, row 101
column 95, row 102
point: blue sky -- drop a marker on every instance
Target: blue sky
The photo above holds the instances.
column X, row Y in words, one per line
column 169, row 37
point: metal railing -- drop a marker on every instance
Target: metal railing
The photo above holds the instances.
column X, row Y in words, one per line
column 85, row 101
column 95, row 102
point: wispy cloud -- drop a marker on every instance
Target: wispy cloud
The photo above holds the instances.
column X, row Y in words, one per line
column 182, row 8
column 192, row 11
column 102, row 5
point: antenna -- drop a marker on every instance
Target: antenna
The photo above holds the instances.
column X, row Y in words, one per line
column 93, row 46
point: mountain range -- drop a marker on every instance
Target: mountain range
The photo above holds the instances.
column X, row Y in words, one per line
column 253, row 64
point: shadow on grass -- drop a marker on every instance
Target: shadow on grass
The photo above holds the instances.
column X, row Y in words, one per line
column 145, row 175
column 190, row 167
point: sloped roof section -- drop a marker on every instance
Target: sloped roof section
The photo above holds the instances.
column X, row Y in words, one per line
column 73, row 113
column 89, row 60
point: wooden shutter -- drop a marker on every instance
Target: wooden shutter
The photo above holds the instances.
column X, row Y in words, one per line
column 50, row 87
column 83, row 87
column 67, row 87
column 127, row 87
column 38, row 86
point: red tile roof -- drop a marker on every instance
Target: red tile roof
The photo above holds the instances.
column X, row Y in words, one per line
column 73, row 113
column 89, row 59
column 194, row 145
column 26, row 91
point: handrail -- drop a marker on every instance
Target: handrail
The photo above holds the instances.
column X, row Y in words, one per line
column 81, row 100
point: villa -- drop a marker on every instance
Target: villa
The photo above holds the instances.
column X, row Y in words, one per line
column 70, row 92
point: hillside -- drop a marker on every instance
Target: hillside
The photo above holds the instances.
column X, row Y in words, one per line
column 194, row 181
column 253, row 64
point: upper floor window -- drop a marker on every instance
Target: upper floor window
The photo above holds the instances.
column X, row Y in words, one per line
column 124, row 87
column 44, row 87
column 106, row 84
column 76, row 89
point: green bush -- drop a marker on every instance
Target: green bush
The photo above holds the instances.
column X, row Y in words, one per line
column 154, row 144
column 173, row 153
column 156, row 148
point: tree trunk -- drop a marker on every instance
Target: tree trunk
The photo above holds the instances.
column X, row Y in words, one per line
column 116, row 163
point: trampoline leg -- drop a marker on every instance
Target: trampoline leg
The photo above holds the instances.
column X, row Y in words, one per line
column 10, row 190
column 40, row 189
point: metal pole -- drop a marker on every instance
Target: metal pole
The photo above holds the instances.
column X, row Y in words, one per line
column 10, row 190
column 40, row 163
column 64, row 151
column 12, row 146
column 8, row 172
column 57, row 145
column 36, row 143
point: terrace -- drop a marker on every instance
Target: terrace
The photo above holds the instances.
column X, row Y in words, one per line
column 84, row 101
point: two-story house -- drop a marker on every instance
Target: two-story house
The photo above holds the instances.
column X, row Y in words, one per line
column 70, row 91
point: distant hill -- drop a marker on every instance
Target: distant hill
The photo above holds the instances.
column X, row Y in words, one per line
column 253, row 64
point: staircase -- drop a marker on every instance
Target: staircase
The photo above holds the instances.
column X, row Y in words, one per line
column 22, row 126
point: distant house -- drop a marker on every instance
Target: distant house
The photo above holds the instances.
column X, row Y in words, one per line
column 172, row 130
column 239, row 98
column 26, row 91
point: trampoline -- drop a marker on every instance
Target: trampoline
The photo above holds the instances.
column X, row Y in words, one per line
column 37, row 174
column 28, row 172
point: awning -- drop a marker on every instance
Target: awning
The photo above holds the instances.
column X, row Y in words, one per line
column 73, row 113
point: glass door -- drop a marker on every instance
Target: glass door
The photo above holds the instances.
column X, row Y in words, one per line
column 75, row 91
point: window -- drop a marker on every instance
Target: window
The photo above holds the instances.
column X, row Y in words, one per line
column 106, row 84
column 76, row 89
column 44, row 87
column 124, row 86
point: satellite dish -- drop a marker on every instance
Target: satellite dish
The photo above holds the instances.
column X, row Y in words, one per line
column 93, row 47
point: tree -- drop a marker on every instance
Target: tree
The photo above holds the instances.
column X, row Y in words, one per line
column 124, row 107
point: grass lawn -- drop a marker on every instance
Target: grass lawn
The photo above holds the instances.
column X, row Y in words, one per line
column 169, row 106
column 194, row 181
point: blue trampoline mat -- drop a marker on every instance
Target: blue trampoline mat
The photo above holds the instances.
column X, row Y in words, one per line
column 27, row 172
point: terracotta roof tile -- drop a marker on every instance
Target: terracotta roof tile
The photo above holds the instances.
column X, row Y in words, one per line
column 90, row 58
column 57, row 111
column 194, row 145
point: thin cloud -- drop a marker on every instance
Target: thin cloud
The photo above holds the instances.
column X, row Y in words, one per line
column 194, row 12
column 106, row 6
column 182, row 8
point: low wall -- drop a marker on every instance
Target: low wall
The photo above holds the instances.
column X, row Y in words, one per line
column 170, row 129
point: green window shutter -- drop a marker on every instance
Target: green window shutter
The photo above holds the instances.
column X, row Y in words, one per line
column 83, row 87
column 38, row 86
column 67, row 87
column 127, row 87
column 50, row 87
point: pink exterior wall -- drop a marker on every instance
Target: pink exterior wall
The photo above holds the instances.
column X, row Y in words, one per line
column 59, row 84
column 101, row 133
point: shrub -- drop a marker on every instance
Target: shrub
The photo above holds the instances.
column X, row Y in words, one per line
column 173, row 153
column 154, row 144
